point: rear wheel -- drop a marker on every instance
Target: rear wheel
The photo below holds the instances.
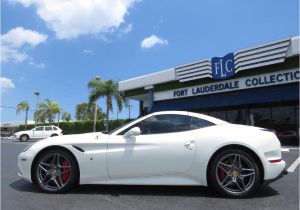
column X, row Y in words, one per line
column 55, row 171
column 54, row 135
column 234, row 173
column 24, row 137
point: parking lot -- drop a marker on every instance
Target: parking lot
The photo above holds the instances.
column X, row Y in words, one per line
column 18, row 194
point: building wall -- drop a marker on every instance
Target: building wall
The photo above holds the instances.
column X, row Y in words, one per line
column 271, row 103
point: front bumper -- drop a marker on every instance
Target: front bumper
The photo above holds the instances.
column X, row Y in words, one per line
column 282, row 173
column 24, row 166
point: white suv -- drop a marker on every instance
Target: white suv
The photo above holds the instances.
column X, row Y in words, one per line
column 39, row 132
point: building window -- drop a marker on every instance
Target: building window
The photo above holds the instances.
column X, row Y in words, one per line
column 237, row 116
column 285, row 123
column 218, row 114
column 261, row 117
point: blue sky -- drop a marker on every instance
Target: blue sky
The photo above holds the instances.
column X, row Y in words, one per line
column 56, row 48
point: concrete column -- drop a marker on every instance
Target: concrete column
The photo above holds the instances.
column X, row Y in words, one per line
column 150, row 97
column 150, row 100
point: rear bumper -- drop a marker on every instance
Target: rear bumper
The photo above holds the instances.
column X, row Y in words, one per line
column 282, row 173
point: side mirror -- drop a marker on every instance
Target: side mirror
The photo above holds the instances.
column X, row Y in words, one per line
column 135, row 131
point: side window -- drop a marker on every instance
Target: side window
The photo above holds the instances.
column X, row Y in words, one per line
column 55, row 128
column 48, row 128
column 170, row 123
column 39, row 128
column 199, row 123
column 158, row 124
column 142, row 125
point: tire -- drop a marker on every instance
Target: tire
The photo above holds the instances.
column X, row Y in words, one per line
column 24, row 137
column 55, row 171
column 53, row 135
column 234, row 173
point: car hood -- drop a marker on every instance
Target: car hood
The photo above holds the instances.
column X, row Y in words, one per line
column 77, row 139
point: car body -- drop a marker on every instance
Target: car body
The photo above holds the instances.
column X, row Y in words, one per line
column 39, row 132
column 162, row 148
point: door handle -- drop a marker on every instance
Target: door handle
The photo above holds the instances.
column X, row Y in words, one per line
column 189, row 144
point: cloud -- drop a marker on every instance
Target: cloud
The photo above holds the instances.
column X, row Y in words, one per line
column 16, row 41
column 37, row 65
column 19, row 37
column 153, row 40
column 127, row 29
column 6, row 84
column 10, row 54
column 72, row 18
column 91, row 52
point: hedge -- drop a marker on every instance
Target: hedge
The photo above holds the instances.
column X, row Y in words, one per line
column 78, row 127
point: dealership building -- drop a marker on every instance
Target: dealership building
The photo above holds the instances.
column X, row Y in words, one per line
column 256, row 86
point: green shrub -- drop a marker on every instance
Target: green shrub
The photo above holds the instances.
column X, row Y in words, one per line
column 78, row 127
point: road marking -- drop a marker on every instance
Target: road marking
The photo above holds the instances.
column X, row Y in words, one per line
column 294, row 165
column 285, row 150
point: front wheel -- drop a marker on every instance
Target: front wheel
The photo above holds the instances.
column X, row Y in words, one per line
column 234, row 173
column 55, row 171
column 24, row 137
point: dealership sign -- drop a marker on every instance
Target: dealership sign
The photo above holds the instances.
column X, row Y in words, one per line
column 223, row 67
column 262, row 80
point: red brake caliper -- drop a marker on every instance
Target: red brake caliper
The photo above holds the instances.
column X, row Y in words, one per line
column 221, row 174
column 66, row 174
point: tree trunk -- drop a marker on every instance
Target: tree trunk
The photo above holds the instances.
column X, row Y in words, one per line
column 58, row 120
column 95, row 117
column 26, row 115
column 107, row 114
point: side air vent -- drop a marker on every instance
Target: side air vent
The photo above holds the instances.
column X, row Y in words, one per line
column 78, row 148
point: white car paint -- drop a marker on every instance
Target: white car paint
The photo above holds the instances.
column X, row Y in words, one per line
column 39, row 132
column 163, row 159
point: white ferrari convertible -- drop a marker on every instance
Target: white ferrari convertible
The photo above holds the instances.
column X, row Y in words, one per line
column 162, row 148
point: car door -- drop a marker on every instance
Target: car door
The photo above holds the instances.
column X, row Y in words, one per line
column 38, row 132
column 165, row 146
column 48, row 131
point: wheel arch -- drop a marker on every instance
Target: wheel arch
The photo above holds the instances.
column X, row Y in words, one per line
column 40, row 153
column 236, row 146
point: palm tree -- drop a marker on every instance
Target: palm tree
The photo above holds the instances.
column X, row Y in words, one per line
column 66, row 116
column 109, row 90
column 23, row 106
column 85, row 111
column 49, row 109
column 39, row 116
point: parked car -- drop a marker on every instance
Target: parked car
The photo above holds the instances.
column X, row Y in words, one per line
column 6, row 133
column 39, row 132
column 163, row 148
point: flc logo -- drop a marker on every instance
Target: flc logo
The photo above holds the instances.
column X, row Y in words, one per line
column 223, row 67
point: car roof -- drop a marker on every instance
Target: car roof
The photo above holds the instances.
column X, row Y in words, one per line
column 193, row 114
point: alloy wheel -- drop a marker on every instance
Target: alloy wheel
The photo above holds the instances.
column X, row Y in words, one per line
column 235, row 174
column 54, row 172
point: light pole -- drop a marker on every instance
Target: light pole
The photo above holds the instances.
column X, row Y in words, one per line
column 129, row 108
column 37, row 93
column 96, row 109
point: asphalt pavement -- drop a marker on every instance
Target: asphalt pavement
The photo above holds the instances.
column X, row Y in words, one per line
column 18, row 194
